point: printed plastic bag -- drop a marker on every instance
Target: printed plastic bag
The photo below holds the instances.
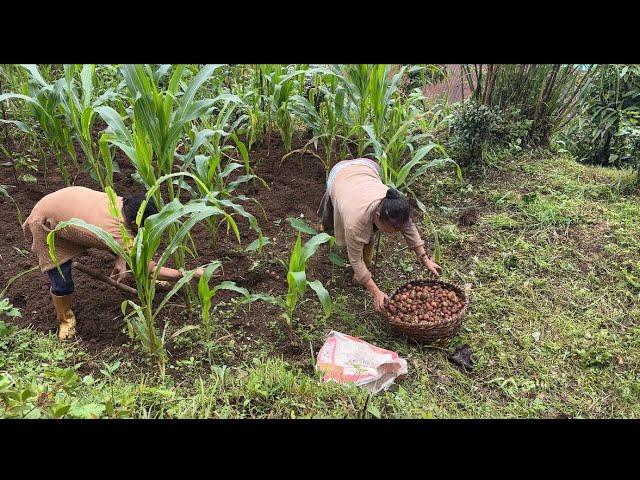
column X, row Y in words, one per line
column 345, row 359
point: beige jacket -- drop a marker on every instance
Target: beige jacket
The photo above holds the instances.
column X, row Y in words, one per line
column 71, row 202
column 356, row 194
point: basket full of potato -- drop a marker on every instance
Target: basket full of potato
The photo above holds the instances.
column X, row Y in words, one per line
column 429, row 311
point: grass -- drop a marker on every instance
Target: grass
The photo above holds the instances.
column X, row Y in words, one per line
column 554, row 321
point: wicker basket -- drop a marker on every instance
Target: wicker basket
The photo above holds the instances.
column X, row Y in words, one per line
column 433, row 333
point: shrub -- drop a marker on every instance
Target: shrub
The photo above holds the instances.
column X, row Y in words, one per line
column 472, row 128
column 607, row 130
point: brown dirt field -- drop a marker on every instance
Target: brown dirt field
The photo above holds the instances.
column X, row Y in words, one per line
column 295, row 188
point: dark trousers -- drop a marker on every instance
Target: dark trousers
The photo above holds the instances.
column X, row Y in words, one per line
column 61, row 284
column 326, row 213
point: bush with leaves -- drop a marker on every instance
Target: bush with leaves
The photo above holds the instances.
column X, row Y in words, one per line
column 473, row 127
column 607, row 131
column 545, row 94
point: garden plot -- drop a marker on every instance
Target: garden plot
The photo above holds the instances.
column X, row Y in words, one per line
column 294, row 191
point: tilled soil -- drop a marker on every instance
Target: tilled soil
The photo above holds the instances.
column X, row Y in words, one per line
column 295, row 190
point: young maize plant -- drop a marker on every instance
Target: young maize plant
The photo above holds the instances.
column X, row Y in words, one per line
column 370, row 91
column 9, row 77
column 80, row 113
column 139, row 252
column 324, row 113
column 400, row 173
column 44, row 101
column 281, row 84
column 160, row 118
column 252, row 106
column 297, row 281
column 5, row 193
column 215, row 167
column 206, row 294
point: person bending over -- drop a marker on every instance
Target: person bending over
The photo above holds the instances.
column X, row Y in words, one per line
column 356, row 207
column 93, row 207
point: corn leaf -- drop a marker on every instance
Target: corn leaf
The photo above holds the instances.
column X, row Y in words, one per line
column 323, row 296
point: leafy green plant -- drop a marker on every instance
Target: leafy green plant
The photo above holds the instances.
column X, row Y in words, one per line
column 6, row 308
column 371, row 93
column 280, row 85
column 206, row 294
column 325, row 118
column 545, row 94
column 473, row 128
column 402, row 167
column 160, row 117
column 5, row 193
column 44, row 100
column 79, row 108
column 215, row 167
column 607, row 130
column 297, row 281
column 48, row 398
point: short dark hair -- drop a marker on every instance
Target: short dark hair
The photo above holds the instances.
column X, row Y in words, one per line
column 131, row 204
column 395, row 210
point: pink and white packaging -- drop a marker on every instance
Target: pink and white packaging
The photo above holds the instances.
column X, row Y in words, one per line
column 345, row 359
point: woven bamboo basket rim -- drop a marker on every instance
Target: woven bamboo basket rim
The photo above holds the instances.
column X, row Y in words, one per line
column 431, row 330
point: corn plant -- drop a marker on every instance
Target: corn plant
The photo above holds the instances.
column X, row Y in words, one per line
column 80, row 111
column 160, row 116
column 297, row 281
column 370, row 90
column 43, row 99
column 5, row 193
column 402, row 172
column 139, row 252
column 253, row 107
column 206, row 294
column 214, row 167
column 280, row 87
column 325, row 115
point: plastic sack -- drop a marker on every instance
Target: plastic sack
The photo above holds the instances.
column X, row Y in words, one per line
column 346, row 359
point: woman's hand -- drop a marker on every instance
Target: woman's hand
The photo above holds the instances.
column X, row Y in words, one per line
column 119, row 270
column 432, row 266
column 378, row 295
column 379, row 299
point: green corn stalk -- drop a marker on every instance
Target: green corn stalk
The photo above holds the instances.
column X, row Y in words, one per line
column 80, row 112
column 280, row 87
column 370, row 90
column 326, row 118
column 297, row 280
column 206, row 294
column 160, row 118
column 5, row 193
column 162, row 115
column 400, row 173
column 214, row 170
column 44, row 102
